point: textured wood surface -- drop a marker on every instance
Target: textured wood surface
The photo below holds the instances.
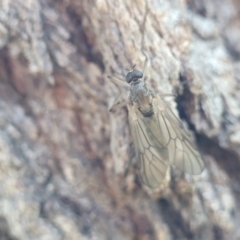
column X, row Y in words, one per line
column 65, row 169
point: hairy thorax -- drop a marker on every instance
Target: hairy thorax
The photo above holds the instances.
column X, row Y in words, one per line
column 141, row 97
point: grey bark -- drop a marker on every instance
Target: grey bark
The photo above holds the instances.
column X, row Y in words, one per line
column 64, row 159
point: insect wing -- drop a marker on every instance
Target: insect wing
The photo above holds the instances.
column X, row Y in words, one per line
column 150, row 146
column 181, row 148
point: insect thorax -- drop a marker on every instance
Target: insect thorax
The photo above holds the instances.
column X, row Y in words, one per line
column 141, row 97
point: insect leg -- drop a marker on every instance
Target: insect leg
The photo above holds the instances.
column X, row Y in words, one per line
column 167, row 95
column 119, row 81
column 145, row 66
column 143, row 34
column 117, row 105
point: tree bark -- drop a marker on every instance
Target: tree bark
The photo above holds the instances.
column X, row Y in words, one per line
column 65, row 169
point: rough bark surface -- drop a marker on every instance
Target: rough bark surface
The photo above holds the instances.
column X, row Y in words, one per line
column 64, row 159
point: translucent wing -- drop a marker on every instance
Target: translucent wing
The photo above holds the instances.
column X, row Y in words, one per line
column 181, row 148
column 161, row 140
column 150, row 146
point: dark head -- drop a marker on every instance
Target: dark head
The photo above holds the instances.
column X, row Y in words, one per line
column 133, row 76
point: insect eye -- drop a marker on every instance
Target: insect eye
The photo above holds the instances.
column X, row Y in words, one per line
column 129, row 77
column 133, row 75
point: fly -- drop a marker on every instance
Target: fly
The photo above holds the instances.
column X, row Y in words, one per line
column 158, row 135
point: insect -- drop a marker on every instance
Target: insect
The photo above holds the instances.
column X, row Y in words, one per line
column 158, row 135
